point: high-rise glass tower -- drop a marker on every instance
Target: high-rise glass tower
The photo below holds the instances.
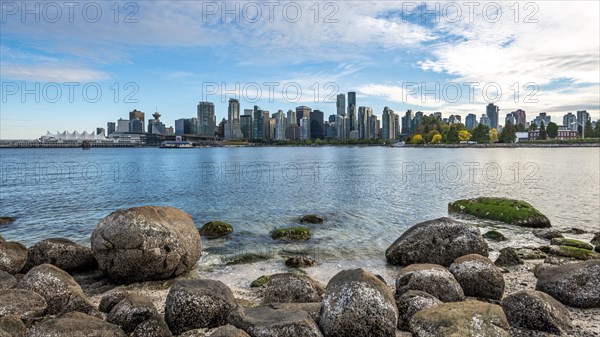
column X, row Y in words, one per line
column 341, row 105
column 206, row 119
column 492, row 111
column 352, row 110
column 234, row 130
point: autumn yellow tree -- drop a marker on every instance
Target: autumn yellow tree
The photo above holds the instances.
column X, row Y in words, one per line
column 418, row 139
column 493, row 135
column 436, row 139
column 464, row 135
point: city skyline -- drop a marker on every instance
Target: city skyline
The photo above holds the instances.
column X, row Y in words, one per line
column 382, row 51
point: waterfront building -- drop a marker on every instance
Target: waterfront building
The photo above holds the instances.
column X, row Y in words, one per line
column 222, row 128
column 570, row 121
column 280, row 125
column 100, row 131
column 407, row 122
column 492, row 111
column 155, row 126
column 246, row 126
column 206, row 119
column 341, row 105
column 373, row 127
column 471, row 121
column 562, row 134
column 304, row 129
column 291, row 132
column 248, row 112
column 331, row 119
column 316, row 124
column 484, row 120
column 510, row 119
column 194, row 125
column 520, row 117
column 388, row 130
column 364, row 115
column 352, row 111
column 291, row 117
column 301, row 112
column 135, row 114
column 416, row 121
column 542, row 117
column 234, row 130
column 169, row 131
column 111, row 127
column 74, row 136
column 257, row 124
column 122, row 126
column 341, row 126
column 183, row 126
column 583, row 117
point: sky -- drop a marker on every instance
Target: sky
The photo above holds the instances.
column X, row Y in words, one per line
column 78, row 65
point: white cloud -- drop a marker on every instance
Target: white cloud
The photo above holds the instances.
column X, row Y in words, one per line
column 51, row 73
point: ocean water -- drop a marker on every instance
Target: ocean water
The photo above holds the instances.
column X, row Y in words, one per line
column 368, row 195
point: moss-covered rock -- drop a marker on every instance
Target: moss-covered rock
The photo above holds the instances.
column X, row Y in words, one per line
column 311, row 218
column 294, row 233
column 514, row 212
column 215, row 229
column 495, row 236
column 571, row 243
column 261, row 281
column 5, row 220
column 572, row 252
column 247, row 258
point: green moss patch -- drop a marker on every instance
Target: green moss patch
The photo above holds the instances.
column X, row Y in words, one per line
column 216, row 229
column 571, row 243
column 495, row 236
column 261, row 281
column 247, row 258
column 311, row 218
column 294, row 233
column 514, row 212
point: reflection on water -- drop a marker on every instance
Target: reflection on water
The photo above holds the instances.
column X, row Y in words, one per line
column 369, row 196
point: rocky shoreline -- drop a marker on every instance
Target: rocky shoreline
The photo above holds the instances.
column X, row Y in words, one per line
column 442, row 277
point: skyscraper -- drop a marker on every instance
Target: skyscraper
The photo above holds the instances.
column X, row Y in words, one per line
column 316, row 124
column 570, row 121
column 471, row 121
column 510, row 119
column 520, row 117
column 257, row 123
column 291, row 118
column 135, row 114
column 302, row 111
column 407, row 122
column 183, row 126
column 341, row 105
column 492, row 111
column 110, row 127
column 388, row 130
column 246, row 126
column 352, row 110
column 234, row 130
column 484, row 120
column 206, row 119
column 364, row 114
column 280, row 125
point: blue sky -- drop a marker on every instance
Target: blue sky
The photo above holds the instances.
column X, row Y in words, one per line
column 150, row 55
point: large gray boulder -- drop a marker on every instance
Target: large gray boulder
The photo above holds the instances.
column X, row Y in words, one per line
column 153, row 327
column 412, row 302
column 271, row 321
column 294, row 288
column 574, row 284
column 63, row 253
column 13, row 257
column 75, row 326
column 7, row 281
column 12, row 326
column 458, row 319
column 146, row 243
column 357, row 303
column 478, row 276
column 536, row 310
column 61, row 292
column 25, row 304
column 193, row 304
column 131, row 311
column 432, row 279
column 439, row 241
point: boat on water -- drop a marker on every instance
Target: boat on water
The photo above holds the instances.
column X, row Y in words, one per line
column 398, row 144
column 176, row 145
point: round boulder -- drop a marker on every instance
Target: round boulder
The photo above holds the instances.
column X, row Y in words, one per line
column 7, row 281
column 412, row 302
column 112, row 298
column 272, row 321
column 468, row 318
column 574, row 284
column 13, row 326
column 478, row 276
column 536, row 310
column 76, row 326
column 432, row 279
column 439, row 241
column 293, row 288
column 152, row 327
column 25, row 304
column 193, row 304
column 13, row 257
column 63, row 253
column 357, row 303
column 508, row 257
column 61, row 292
column 146, row 243
column 131, row 311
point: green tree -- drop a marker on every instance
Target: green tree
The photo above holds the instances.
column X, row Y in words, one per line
column 452, row 136
column 430, row 134
column 481, row 134
column 552, row 130
column 533, row 126
column 508, row 134
column 589, row 130
column 597, row 129
column 543, row 134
